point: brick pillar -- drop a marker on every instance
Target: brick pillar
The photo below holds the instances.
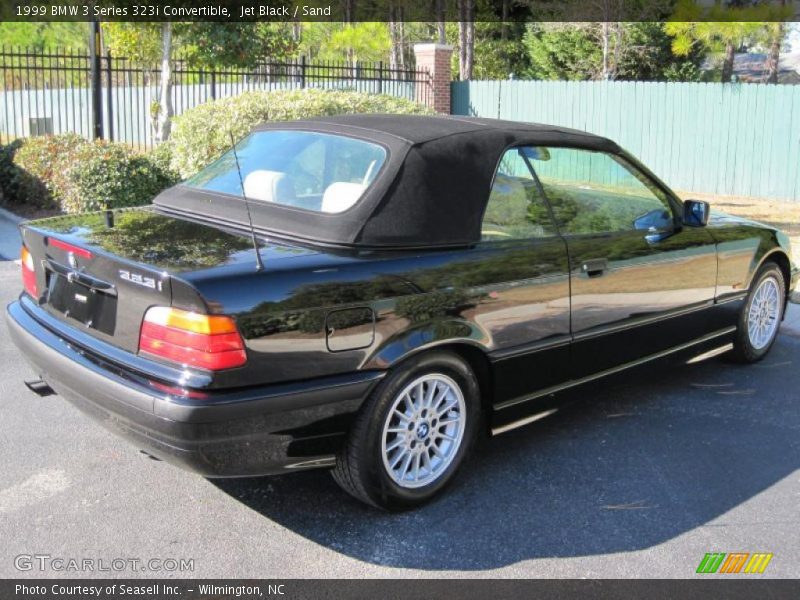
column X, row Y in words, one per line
column 435, row 59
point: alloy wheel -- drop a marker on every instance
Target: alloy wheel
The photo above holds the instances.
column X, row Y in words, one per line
column 763, row 316
column 423, row 430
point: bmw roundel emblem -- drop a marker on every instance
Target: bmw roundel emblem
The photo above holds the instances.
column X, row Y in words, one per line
column 71, row 260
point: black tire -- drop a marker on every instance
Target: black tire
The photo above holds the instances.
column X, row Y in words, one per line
column 360, row 468
column 744, row 351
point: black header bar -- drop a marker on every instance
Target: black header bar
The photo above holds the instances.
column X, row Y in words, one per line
column 398, row 10
column 702, row 587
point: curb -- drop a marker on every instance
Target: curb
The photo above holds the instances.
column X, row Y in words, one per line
column 10, row 216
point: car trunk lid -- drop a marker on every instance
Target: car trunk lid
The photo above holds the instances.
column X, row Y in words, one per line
column 101, row 273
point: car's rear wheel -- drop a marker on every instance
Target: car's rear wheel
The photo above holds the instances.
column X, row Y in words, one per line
column 761, row 315
column 413, row 434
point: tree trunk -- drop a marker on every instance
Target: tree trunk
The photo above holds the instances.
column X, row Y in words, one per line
column 504, row 21
column 605, row 40
column 466, row 38
column 164, row 118
column 773, row 57
column 349, row 11
column 614, row 66
column 462, row 37
column 394, row 48
column 469, row 55
column 401, row 39
column 727, row 62
column 440, row 20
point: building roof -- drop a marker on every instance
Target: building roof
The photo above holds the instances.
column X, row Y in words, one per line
column 751, row 67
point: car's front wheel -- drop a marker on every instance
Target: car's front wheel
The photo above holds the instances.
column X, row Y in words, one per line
column 413, row 433
column 761, row 315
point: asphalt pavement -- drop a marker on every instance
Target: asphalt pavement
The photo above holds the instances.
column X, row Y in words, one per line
column 639, row 478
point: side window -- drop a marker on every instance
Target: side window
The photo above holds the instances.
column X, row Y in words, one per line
column 594, row 192
column 515, row 209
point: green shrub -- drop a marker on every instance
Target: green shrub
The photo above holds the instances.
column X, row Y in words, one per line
column 76, row 175
column 160, row 158
column 201, row 134
column 45, row 162
column 10, row 174
column 112, row 176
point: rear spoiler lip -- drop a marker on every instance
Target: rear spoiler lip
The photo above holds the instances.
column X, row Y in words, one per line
column 174, row 277
column 96, row 250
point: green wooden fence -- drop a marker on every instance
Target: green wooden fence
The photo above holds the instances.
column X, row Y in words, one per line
column 732, row 139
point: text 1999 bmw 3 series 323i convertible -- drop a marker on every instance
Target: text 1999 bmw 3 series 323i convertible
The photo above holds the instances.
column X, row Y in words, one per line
column 420, row 280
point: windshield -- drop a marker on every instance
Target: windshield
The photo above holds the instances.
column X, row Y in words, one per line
column 315, row 171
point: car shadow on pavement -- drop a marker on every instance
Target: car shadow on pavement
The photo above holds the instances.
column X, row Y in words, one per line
column 634, row 463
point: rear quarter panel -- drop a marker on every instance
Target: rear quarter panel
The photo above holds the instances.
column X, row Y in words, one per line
column 481, row 297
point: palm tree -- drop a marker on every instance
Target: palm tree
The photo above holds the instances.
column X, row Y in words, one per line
column 725, row 33
column 776, row 33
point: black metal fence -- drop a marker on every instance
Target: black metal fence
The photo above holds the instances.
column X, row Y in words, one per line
column 52, row 91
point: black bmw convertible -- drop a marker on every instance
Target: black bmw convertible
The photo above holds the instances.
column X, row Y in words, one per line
column 370, row 293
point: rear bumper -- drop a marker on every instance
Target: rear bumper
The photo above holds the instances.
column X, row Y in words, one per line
column 261, row 431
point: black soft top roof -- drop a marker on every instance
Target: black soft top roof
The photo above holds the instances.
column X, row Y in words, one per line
column 418, row 129
column 431, row 192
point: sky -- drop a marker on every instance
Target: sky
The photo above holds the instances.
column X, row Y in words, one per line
column 794, row 38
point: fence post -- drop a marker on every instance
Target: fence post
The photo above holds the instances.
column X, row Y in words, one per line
column 109, row 98
column 213, row 85
column 96, row 84
column 303, row 71
column 433, row 63
column 380, row 77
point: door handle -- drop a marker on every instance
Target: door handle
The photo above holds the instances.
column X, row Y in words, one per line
column 594, row 268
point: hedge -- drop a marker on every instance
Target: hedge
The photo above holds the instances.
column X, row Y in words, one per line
column 43, row 164
column 113, row 176
column 69, row 173
column 72, row 174
column 10, row 174
column 201, row 134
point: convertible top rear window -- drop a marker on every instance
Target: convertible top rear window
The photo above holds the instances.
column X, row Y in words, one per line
column 426, row 188
column 311, row 170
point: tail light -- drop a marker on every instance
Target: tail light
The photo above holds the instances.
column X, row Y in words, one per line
column 28, row 273
column 76, row 250
column 206, row 341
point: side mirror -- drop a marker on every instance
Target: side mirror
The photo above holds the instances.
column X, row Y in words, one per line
column 695, row 213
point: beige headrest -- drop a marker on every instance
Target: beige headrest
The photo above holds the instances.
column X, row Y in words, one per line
column 268, row 186
column 340, row 196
